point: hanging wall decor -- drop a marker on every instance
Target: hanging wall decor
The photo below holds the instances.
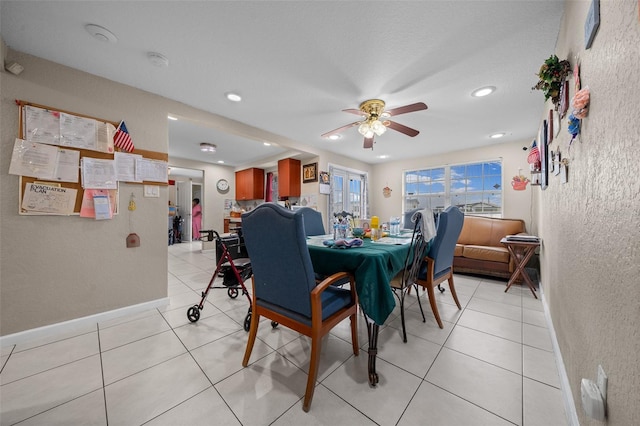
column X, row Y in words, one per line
column 519, row 182
column 553, row 73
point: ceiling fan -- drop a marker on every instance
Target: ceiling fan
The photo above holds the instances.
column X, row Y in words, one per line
column 375, row 120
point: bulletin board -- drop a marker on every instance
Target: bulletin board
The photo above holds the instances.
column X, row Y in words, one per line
column 83, row 153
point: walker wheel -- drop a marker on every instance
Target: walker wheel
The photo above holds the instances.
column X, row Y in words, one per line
column 247, row 322
column 193, row 313
column 232, row 292
column 274, row 324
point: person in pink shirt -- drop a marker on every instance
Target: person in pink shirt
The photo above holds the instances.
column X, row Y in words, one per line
column 196, row 219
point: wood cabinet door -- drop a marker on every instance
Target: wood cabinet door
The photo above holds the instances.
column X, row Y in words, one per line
column 289, row 178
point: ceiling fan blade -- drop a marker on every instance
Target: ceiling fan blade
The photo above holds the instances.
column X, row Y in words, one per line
column 355, row 111
column 418, row 106
column 339, row 129
column 368, row 143
column 401, row 128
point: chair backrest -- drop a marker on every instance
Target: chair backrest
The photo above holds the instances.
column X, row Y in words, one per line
column 313, row 224
column 407, row 223
column 443, row 244
column 282, row 271
column 416, row 255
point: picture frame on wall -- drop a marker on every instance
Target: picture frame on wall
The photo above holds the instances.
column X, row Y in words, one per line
column 310, row 173
column 544, row 155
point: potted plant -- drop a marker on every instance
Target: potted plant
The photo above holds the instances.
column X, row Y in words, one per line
column 552, row 74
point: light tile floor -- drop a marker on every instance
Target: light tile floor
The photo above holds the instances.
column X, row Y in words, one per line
column 492, row 364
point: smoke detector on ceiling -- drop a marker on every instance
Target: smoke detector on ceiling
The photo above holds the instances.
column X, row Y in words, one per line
column 101, row 33
column 158, row 59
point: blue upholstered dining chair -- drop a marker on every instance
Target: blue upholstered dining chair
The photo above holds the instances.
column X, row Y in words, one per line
column 284, row 286
column 313, row 224
column 437, row 266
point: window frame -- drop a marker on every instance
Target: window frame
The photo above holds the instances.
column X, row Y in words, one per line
column 449, row 189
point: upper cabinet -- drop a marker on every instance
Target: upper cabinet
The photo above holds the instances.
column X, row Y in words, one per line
column 250, row 184
column 288, row 178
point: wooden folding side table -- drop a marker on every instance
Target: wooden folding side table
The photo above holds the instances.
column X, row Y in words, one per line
column 521, row 252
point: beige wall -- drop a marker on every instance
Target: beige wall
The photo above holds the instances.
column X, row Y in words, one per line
column 590, row 259
column 516, row 204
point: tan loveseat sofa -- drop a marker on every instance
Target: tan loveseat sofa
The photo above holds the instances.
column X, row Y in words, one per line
column 479, row 250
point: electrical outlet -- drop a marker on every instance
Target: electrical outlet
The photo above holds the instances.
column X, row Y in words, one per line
column 602, row 382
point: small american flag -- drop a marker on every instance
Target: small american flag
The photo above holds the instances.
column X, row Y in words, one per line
column 122, row 138
column 534, row 154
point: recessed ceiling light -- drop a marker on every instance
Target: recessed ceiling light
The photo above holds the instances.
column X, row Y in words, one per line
column 158, row 59
column 220, row 162
column 483, row 91
column 497, row 135
column 266, row 144
column 101, row 33
column 170, row 117
column 382, row 156
column 334, row 137
column 207, row 147
column 233, row 97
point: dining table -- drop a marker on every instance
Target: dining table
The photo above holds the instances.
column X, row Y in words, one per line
column 373, row 265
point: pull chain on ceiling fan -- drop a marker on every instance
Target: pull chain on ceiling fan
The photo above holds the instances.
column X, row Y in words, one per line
column 375, row 121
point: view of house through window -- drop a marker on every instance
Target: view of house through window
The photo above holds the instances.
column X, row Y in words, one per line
column 476, row 188
column 348, row 192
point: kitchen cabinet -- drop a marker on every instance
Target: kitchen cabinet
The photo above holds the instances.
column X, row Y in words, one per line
column 250, row 184
column 288, row 178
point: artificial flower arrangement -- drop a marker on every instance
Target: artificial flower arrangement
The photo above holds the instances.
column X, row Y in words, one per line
column 552, row 74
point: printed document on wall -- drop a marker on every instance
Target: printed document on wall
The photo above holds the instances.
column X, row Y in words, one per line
column 98, row 173
column 126, row 166
column 48, row 199
column 44, row 161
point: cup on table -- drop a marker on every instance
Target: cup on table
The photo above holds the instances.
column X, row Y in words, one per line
column 394, row 225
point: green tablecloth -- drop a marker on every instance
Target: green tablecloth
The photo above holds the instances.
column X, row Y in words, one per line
column 373, row 265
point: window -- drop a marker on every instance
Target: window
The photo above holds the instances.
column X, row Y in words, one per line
column 348, row 192
column 476, row 188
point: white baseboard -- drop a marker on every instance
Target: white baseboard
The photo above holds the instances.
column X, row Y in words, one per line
column 567, row 395
column 66, row 326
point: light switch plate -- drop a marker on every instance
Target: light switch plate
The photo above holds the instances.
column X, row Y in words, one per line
column 152, row 191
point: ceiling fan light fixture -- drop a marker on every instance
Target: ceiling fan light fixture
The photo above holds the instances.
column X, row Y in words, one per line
column 483, row 91
column 364, row 129
column 378, row 128
column 208, row 147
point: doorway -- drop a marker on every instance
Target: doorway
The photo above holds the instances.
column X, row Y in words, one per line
column 188, row 185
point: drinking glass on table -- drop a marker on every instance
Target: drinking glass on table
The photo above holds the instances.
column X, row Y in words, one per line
column 394, row 225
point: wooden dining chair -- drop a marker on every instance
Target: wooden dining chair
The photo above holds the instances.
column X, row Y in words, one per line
column 284, row 286
column 437, row 266
column 401, row 284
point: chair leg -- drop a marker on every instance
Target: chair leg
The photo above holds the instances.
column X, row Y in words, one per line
column 453, row 291
column 316, row 344
column 432, row 302
column 404, row 329
column 420, row 303
column 253, row 332
column 354, row 333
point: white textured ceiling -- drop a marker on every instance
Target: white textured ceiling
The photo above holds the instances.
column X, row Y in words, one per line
column 297, row 64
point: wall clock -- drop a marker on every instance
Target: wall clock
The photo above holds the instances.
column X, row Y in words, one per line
column 223, row 186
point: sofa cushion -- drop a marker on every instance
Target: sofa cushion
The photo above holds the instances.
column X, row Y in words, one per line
column 458, row 250
column 492, row 254
column 486, row 231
